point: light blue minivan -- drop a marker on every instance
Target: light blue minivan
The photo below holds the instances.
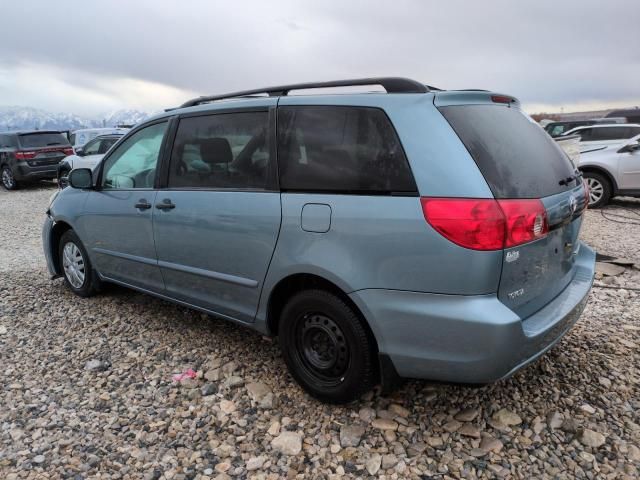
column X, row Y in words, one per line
column 411, row 232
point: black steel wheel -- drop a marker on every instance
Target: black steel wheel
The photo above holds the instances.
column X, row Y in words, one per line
column 327, row 347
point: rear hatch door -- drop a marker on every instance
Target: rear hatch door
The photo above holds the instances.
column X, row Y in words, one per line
column 519, row 160
column 47, row 148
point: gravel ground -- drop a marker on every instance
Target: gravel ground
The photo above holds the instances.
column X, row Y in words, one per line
column 87, row 389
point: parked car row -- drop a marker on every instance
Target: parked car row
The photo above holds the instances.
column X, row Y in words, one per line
column 344, row 224
column 608, row 155
column 29, row 156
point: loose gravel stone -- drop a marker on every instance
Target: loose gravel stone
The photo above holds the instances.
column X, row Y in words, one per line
column 350, row 435
column 384, row 424
column 126, row 418
column 591, row 439
column 288, row 443
column 467, row 415
column 506, row 417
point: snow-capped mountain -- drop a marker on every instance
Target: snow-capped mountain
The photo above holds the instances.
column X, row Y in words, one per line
column 29, row 118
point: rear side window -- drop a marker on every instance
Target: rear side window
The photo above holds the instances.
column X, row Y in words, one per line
column 341, row 150
column 610, row 133
column 36, row 140
column 228, row 150
column 516, row 157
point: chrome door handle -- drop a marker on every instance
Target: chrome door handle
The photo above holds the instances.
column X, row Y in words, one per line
column 143, row 204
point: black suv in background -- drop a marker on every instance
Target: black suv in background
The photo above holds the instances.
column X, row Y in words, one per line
column 30, row 156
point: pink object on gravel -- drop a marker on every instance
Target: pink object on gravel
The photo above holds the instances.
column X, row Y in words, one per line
column 178, row 377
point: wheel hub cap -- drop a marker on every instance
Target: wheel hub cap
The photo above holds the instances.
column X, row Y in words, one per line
column 7, row 178
column 323, row 346
column 596, row 190
column 73, row 264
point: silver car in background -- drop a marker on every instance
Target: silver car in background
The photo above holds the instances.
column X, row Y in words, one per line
column 611, row 171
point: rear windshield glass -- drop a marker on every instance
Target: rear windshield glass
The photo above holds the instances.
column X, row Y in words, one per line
column 35, row 140
column 517, row 158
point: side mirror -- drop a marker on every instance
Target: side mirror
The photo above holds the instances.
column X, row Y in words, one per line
column 81, row 178
column 79, row 152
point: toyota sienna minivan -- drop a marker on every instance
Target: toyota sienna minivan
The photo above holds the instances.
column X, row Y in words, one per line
column 409, row 233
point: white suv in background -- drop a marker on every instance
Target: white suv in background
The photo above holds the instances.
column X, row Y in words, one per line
column 611, row 171
column 79, row 138
column 595, row 137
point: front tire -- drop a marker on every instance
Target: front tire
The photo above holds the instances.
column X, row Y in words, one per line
column 599, row 189
column 78, row 273
column 327, row 348
column 63, row 173
column 8, row 179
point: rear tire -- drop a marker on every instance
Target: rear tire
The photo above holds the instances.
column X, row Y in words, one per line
column 77, row 271
column 8, row 179
column 327, row 348
column 599, row 189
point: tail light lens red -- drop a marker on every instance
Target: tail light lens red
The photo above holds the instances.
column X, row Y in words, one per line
column 22, row 155
column 486, row 224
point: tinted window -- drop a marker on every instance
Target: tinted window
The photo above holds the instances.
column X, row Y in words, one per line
column 106, row 144
column 133, row 164
column 340, row 149
column 585, row 134
column 36, row 140
column 517, row 158
column 610, row 133
column 228, row 150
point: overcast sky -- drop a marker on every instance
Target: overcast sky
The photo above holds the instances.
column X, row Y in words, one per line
column 89, row 57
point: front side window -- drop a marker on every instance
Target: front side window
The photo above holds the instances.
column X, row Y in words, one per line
column 133, row 164
column 341, row 150
column 92, row 148
column 106, row 144
column 227, row 150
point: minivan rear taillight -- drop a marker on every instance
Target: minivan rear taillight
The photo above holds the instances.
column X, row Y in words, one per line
column 486, row 224
column 22, row 155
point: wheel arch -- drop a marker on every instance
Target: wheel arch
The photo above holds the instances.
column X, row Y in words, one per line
column 604, row 172
column 297, row 282
column 58, row 229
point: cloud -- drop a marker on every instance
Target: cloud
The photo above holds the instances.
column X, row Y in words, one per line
column 154, row 54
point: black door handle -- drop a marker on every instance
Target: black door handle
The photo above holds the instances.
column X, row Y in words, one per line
column 143, row 204
column 165, row 205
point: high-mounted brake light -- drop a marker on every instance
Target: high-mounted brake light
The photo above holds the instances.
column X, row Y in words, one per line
column 486, row 224
column 22, row 155
column 501, row 99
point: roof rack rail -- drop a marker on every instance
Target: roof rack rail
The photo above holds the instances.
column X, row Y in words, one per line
column 390, row 84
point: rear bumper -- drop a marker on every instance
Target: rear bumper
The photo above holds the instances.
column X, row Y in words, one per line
column 24, row 171
column 469, row 339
